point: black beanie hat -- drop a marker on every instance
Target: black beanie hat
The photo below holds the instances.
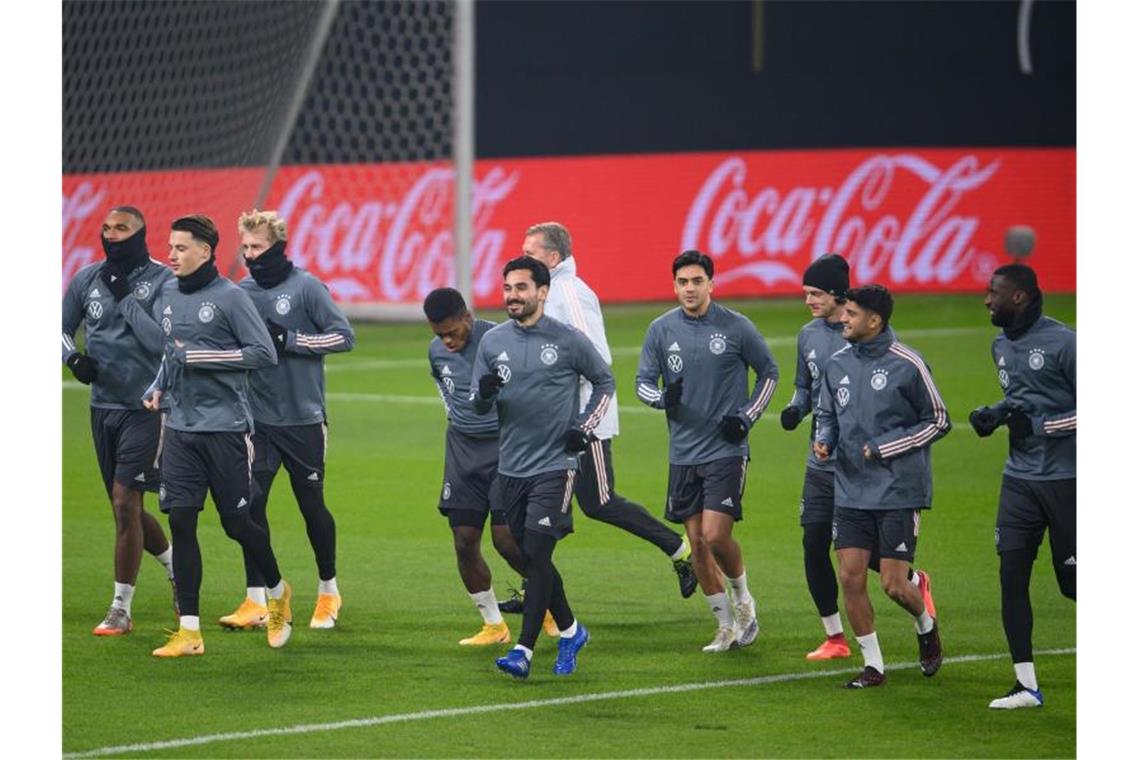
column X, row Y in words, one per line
column 828, row 273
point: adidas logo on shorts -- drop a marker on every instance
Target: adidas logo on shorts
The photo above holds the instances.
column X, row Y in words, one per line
column 544, row 522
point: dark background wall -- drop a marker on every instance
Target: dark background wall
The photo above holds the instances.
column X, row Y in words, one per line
column 622, row 77
column 558, row 78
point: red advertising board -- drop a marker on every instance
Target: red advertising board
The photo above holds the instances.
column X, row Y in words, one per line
column 915, row 220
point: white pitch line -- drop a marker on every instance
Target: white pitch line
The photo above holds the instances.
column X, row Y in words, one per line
column 453, row 712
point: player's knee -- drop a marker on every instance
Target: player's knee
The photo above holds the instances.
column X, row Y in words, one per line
column 894, row 587
column 237, row 526
column 817, row 539
column 852, row 579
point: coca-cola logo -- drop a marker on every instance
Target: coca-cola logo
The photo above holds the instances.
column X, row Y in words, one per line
column 83, row 202
column 870, row 219
column 407, row 242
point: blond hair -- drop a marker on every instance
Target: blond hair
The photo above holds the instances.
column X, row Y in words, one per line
column 251, row 221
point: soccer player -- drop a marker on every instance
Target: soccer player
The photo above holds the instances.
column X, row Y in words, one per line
column 531, row 365
column 703, row 351
column 288, row 403
column 825, row 281
column 213, row 338
column 112, row 299
column 878, row 413
column 1036, row 360
column 471, row 459
column 572, row 301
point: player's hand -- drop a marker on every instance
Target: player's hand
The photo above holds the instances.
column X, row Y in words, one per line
column 280, row 335
column 733, row 428
column 1020, row 426
column 153, row 402
column 116, row 282
column 489, row 385
column 84, row 368
column 673, row 392
column 576, row 440
column 985, row 420
column 822, row 452
column 790, row 417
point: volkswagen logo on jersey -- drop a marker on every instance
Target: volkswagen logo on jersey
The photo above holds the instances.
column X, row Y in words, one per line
column 879, row 379
column 282, row 305
column 504, row 372
column 166, row 326
column 717, row 344
column 1036, row 359
column 94, row 310
column 1003, row 378
column 142, row 290
column 843, row 395
column 206, row 313
column 675, row 363
column 549, row 354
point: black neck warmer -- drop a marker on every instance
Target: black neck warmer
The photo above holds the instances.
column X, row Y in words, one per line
column 124, row 256
column 199, row 278
column 1026, row 319
column 270, row 268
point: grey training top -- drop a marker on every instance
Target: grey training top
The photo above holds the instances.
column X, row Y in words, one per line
column 712, row 353
column 880, row 394
column 817, row 341
column 452, row 374
column 293, row 391
column 540, row 366
column 222, row 338
column 1038, row 374
column 124, row 338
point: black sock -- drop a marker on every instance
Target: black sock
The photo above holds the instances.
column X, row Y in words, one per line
column 187, row 558
column 543, row 588
column 319, row 525
column 822, row 585
column 1016, row 611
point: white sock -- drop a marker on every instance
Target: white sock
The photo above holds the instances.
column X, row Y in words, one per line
column 124, row 592
column 913, row 578
column 277, row 591
column 682, row 550
column 529, row 653
column 189, row 622
column 718, row 603
column 832, row 624
column 924, row 623
column 487, row 606
column 256, row 593
column 570, row 632
column 871, row 654
column 167, row 560
column 1026, row 675
column 328, row 587
column 740, row 587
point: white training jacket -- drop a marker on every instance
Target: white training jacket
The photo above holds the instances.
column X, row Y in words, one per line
column 572, row 301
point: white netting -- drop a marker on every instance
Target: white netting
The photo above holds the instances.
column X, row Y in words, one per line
column 182, row 106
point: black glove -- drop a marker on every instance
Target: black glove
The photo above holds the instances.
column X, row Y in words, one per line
column 576, row 440
column 985, row 420
column 280, row 335
column 84, row 368
column 733, row 428
column 790, row 417
column 116, row 282
column 1020, row 426
column 673, row 393
column 489, row 385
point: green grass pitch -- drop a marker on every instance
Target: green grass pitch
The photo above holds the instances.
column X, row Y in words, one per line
column 394, row 652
